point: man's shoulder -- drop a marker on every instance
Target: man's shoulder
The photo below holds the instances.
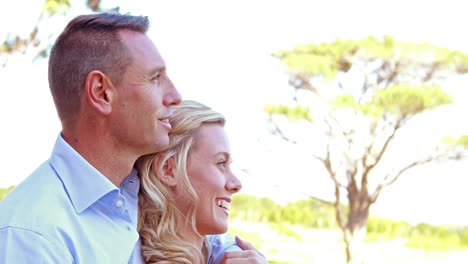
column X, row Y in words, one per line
column 32, row 202
column 222, row 243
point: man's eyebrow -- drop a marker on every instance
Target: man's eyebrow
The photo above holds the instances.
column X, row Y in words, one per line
column 157, row 69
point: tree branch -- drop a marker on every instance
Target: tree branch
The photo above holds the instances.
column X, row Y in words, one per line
column 339, row 212
column 277, row 131
column 368, row 168
column 389, row 179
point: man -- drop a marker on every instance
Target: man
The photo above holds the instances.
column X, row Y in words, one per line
column 113, row 98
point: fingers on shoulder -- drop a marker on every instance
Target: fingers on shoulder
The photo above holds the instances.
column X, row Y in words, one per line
column 245, row 257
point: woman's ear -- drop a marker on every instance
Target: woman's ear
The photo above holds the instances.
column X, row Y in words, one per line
column 167, row 174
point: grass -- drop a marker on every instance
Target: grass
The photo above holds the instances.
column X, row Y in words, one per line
column 297, row 245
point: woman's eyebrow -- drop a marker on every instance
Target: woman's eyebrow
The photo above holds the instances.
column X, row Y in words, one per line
column 225, row 154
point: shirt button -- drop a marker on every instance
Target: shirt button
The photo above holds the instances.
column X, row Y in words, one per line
column 119, row 203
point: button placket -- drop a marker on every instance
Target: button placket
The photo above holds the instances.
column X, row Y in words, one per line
column 119, row 203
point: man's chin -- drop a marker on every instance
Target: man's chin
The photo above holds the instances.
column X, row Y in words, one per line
column 162, row 145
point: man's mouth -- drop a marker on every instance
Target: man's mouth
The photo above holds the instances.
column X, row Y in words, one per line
column 165, row 122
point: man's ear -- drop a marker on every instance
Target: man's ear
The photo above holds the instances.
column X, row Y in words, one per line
column 168, row 173
column 99, row 91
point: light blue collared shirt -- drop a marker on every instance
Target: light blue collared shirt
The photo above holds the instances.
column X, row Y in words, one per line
column 220, row 244
column 68, row 212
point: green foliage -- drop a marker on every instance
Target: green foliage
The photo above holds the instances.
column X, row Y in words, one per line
column 49, row 8
column 461, row 141
column 415, row 61
column 269, row 238
column 308, row 213
column 314, row 59
column 326, row 59
column 52, row 7
column 344, row 101
column 285, row 230
column 422, row 236
column 5, row 48
column 464, row 236
column 253, row 209
column 349, row 101
column 405, row 100
column 387, row 229
column 387, row 80
column 437, row 237
column 314, row 214
column 5, row 191
column 253, row 238
column 401, row 100
column 296, row 112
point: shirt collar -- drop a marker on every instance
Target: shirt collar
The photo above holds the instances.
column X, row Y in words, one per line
column 131, row 184
column 84, row 184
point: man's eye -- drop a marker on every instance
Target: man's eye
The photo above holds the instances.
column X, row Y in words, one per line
column 156, row 77
column 222, row 163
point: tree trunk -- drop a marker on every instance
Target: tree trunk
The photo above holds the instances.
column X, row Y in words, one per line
column 355, row 247
column 355, row 230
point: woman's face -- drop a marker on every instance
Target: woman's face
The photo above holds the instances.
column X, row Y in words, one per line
column 209, row 171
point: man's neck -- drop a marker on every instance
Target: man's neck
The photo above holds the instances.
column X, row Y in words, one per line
column 113, row 163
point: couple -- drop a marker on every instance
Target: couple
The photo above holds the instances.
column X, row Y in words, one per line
column 135, row 175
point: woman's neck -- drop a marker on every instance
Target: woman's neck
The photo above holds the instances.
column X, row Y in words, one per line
column 188, row 234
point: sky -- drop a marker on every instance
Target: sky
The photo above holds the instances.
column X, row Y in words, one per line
column 219, row 52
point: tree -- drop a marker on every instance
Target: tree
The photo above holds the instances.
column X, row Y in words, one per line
column 361, row 94
column 34, row 43
column 37, row 43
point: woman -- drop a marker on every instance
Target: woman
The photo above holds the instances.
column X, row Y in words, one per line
column 186, row 190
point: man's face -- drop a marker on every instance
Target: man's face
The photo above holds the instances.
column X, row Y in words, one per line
column 144, row 96
column 209, row 171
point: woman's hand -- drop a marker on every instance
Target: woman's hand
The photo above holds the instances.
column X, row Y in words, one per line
column 249, row 255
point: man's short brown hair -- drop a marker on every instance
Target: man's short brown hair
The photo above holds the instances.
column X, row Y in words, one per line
column 88, row 42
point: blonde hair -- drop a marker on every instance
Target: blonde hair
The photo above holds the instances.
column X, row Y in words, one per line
column 157, row 212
